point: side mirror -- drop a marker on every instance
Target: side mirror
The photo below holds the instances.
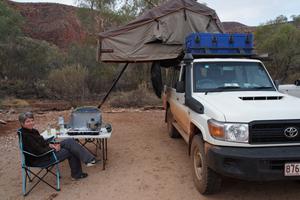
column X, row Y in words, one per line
column 180, row 87
column 276, row 83
column 297, row 82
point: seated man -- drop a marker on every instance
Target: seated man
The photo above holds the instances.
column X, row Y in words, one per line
column 69, row 149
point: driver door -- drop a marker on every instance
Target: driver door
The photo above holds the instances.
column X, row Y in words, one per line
column 179, row 110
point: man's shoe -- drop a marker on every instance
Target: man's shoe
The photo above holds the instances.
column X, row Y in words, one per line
column 82, row 175
column 92, row 163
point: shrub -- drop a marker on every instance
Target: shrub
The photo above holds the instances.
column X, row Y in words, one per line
column 281, row 41
column 135, row 98
column 69, row 83
column 10, row 22
column 14, row 103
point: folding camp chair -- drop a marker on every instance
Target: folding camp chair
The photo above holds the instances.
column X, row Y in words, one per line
column 44, row 169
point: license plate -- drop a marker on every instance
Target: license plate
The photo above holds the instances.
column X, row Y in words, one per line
column 292, row 169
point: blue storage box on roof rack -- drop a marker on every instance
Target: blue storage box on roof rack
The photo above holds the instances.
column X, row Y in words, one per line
column 205, row 44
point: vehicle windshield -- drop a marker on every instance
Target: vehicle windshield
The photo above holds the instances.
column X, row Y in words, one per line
column 231, row 76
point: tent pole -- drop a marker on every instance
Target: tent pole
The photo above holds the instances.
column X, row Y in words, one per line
column 113, row 85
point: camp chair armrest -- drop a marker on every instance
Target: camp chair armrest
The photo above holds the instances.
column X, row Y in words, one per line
column 51, row 139
column 40, row 155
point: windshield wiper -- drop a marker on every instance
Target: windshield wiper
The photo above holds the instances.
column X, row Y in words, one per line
column 262, row 87
column 222, row 88
column 229, row 87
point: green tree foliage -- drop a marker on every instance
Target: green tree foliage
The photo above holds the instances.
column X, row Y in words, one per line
column 114, row 5
column 83, row 54
column 117, row 12
column 112, row 13
column 27, row 65
column 142, row 5
column 31, row 60
column 97, row 4
column 100, row 75
column 296, row 20
column 281, row 41
column 88, row 19
column 69, row 83
column 10, row 22
column 137, row 75
column 32, row 68
column 24, row 62
column 279, row 20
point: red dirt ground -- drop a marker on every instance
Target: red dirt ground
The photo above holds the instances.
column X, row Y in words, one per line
column 144, row 163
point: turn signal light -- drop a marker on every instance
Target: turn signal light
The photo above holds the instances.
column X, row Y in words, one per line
column 216, row 130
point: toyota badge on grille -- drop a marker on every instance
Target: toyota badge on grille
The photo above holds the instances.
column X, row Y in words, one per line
column 291, row 132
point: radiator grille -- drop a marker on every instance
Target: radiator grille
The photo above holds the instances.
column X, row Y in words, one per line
column 266, row 132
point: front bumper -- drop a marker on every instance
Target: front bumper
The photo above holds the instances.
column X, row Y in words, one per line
column 253, row 164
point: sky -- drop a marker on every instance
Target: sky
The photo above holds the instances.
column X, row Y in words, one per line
column 251, row 12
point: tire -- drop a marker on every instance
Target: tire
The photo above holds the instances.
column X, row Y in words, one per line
column 172, row 131
column 206, row 180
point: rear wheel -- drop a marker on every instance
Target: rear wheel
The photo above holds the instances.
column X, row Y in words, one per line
column 206, row 180
column 173, row 133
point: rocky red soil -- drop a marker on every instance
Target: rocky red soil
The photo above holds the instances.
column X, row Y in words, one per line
column 54, row 23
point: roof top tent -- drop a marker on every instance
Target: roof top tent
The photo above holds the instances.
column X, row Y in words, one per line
column 157, row 35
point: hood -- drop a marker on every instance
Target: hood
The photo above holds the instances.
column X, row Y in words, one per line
column 249, row 106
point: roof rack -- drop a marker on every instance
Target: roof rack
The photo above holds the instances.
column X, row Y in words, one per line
column 220, row 45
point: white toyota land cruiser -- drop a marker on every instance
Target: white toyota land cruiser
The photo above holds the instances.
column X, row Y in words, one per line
column 234, row 121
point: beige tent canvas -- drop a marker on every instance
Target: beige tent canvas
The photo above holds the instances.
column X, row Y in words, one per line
column 159, row 34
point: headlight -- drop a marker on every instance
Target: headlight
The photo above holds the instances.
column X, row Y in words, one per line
column 231, row 132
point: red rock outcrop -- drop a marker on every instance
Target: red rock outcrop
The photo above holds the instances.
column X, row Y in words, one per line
column 54, row 23
column 59, row 24
column 236, row 27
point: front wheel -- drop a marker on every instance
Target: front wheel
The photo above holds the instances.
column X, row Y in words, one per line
column 206, row 180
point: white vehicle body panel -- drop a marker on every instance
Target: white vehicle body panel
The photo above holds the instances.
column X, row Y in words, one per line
column 290, row 89
column 234, row 109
